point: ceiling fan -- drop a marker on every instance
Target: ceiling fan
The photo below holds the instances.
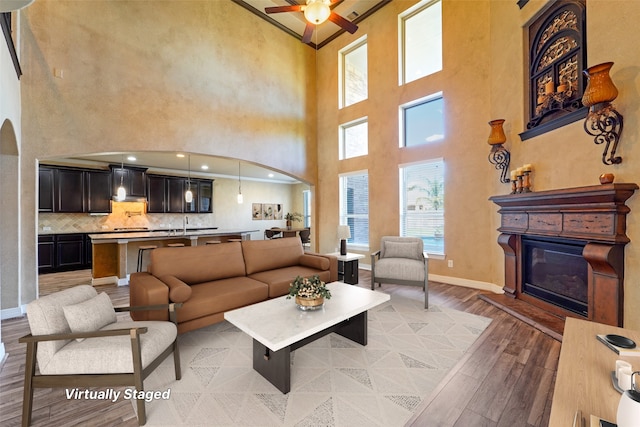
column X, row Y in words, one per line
column 316, row 12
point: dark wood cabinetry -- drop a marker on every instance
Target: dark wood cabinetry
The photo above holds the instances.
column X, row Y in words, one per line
column 166, row 195
column 69, row 190
column 73, row 190
column 133, row 179
column 98, row 185
column 45, row 189
column 63, row 252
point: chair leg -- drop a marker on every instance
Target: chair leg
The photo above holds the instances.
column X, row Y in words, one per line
column 29, row 370
column 176, row 359
column 137, row 376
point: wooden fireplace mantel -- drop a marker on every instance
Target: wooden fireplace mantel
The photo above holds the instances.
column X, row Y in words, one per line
column 595, row 215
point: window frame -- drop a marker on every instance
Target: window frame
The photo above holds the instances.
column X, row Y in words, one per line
column 402, row 124
column 402, row 18
column 344, row 217
column 342, row 155
column 403, row 203
column 342, row 53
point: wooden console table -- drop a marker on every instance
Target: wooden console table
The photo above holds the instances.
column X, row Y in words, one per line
column 583, row 381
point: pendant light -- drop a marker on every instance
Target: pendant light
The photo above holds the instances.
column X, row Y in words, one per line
column 121, row 193
column 188, row 195
column 240, row 198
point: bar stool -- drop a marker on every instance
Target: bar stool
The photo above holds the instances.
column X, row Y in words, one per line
column 141, row 251
column 234, row 240
column 175, row 245
column 212, row 242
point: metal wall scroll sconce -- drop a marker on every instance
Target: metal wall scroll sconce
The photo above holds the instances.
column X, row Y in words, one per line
column 499, row 156
column 603, row 121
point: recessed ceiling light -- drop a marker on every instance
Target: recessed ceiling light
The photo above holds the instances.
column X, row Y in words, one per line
column 180, row 155
column 131, row 158
column 270, row 175
column 204, row 167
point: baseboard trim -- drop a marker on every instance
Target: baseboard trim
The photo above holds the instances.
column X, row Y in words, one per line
column 12, row 313
column 467, row 283
column 109, row 280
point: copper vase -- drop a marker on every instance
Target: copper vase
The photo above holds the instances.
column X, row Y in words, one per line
column 497, row 135
column 599, row 88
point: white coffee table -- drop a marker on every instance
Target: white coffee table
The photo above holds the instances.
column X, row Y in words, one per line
column 278, row 327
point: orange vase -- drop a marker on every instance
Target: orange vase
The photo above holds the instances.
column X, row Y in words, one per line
column 599, row 88
column 497, row 135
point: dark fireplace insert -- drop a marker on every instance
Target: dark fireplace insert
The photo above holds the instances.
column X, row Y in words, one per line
column 555, row 271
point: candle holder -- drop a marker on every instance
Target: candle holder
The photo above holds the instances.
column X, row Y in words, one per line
column 519, row 184
column 603, row 122
column 499, row 156
column 514, row 187
column 526, row 182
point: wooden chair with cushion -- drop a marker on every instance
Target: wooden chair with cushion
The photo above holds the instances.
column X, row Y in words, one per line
column 78, row 342
column 401, row 261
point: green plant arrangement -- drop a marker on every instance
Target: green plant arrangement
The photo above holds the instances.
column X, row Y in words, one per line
column 309, row 292
column 293, row 216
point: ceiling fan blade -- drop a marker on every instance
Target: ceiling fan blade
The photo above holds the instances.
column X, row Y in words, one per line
column 308, row 31
column 339, row 20
column 278, row 9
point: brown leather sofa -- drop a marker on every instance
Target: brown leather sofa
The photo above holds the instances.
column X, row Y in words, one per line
column 211, row 279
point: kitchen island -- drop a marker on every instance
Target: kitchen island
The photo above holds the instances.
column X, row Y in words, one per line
column 114, row 255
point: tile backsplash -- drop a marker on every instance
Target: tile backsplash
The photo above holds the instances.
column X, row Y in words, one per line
column 123, row 215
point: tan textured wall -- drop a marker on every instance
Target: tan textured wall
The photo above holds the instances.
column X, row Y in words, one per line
column 567, row 157
column 468, row 176
column 483, row 79
column 198, row 76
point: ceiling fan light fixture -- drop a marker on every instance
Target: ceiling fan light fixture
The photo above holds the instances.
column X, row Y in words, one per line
column 317, row 11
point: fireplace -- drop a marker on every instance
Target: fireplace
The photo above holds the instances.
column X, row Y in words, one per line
column 564, row 250
column 555, row 272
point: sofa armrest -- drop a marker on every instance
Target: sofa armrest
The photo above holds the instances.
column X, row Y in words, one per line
column 333, row 263
column 146, row 289
column 178, row 290
column 315, row 261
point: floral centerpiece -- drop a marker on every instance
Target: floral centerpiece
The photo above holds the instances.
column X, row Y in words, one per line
column 292, row 216
column 309, row 292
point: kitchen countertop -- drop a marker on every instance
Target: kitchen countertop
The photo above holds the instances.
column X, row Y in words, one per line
column 161, row 234
column 51, row 232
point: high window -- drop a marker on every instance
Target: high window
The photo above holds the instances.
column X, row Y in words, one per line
column 353, row 73
column 422, row 203
column 354, row 206
column 422, row 121
column 420, row 41
column 354, row 139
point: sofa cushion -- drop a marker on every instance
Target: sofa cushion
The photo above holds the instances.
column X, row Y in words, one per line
column 263, row 255
column 280, row 279
column 221, row 295
column 314, row 261
column 197, row 264
column 111, row 355
column 400, row 268
column 178, row 290
column 90, row 315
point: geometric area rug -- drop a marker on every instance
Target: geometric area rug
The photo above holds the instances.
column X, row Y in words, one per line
column 334, row 381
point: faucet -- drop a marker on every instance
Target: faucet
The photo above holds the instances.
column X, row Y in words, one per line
column 185, row 221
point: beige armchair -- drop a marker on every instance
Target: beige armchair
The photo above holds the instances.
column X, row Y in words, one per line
column 78, row 342
column 401, row 261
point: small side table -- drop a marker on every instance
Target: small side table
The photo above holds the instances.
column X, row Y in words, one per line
column 348, row 267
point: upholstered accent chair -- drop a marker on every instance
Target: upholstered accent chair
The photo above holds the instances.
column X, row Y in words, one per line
column 77, row 341
column 401, row 261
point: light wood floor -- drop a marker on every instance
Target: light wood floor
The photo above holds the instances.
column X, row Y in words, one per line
column 506, row 378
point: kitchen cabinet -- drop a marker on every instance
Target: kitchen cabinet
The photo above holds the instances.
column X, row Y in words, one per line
column 175, row 195
column 45, row 189
column 166, row 195
column 156, row 193
column 98, row 185
column 133, row 179
column 63, row 252
column 46, row 254
column 73, row 190
column 69, row 190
